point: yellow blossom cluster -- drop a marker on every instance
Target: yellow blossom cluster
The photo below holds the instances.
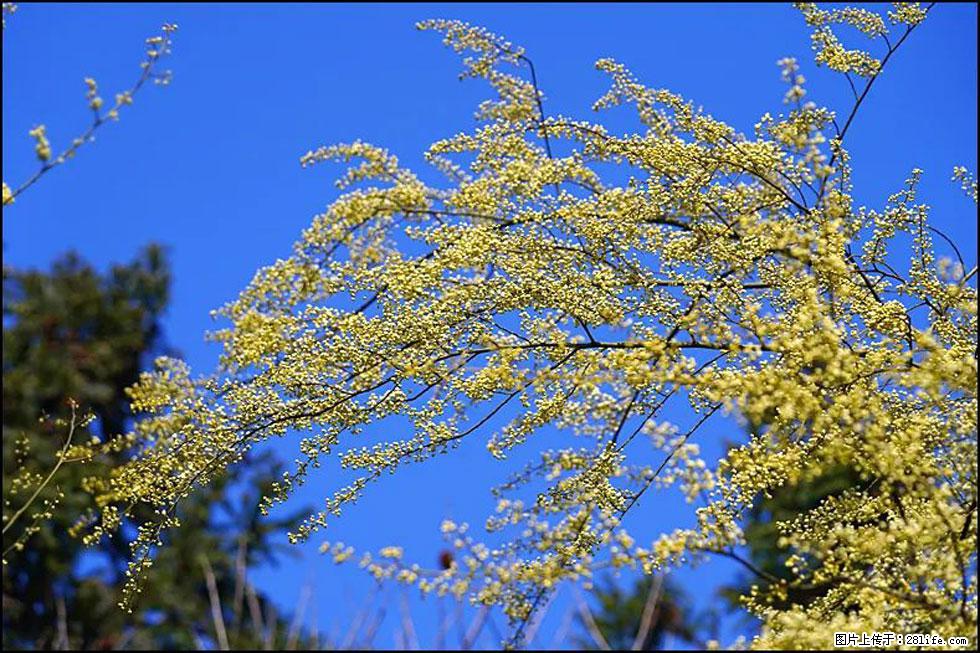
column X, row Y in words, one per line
column 968, row 182
column 535, row 292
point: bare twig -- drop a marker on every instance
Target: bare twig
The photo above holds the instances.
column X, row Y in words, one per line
column 535, row 625
column 589, row 621
column 408, row 626
column 240, row 581
column 372, row 629
column 271, row 620
column 215, row 600
column 293, row 637
column 355, row 626
column 475, row 628
column 443, row 618
column 254, row 610
column 562, row 631
column 647, row 621
column 62, row 643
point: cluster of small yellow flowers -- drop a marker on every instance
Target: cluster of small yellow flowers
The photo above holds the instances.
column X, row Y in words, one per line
column 377, row 163
column 792, row 77
column 94, row 101
column 391, row 552
column 338, row 550
column 868, row 22
column 827, row 46
column 658, row 109
column 157, row 47
column 42, row 147
column 968, row 182
column 489, row 47
column 802, row 132
column 907, row 13
column 535, row 293
column 831, row 53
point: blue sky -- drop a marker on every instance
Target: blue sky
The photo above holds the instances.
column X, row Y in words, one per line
column 210, row 166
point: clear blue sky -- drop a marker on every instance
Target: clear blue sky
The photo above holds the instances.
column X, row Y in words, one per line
column 209, row 166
